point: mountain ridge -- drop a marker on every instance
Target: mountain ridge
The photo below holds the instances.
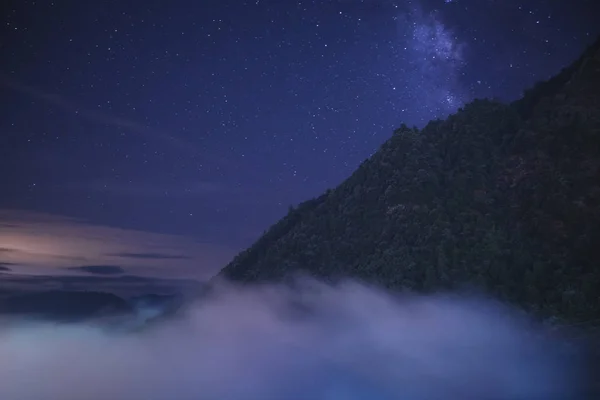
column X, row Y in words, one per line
column 498, row 196
column 61, row 305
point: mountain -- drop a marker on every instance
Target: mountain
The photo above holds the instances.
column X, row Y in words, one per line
column 502, row 197
column 58, row 305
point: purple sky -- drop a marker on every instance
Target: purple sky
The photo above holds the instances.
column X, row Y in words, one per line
column 188, row 127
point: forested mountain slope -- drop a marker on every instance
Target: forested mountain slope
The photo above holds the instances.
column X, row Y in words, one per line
column 503, row 197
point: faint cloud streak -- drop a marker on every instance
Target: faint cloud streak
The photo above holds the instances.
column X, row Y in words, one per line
column 151, row 189
column 178, row 143
column 94, row 115
column 99, row 269
column 150, row 256
column 41, row 243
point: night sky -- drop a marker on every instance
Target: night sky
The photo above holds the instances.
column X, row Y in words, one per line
column 167, row 136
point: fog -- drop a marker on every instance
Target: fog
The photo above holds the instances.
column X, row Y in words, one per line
column 313, row 341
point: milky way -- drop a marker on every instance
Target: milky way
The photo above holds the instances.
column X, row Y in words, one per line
column 435, row 59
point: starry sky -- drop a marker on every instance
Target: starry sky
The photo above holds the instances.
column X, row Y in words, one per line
column 167, row 136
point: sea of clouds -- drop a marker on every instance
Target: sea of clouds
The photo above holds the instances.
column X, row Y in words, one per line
column 309, row 341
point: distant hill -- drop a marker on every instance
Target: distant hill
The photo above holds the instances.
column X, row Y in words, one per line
column 59, row 305
column 504, row 197
column 153, row 300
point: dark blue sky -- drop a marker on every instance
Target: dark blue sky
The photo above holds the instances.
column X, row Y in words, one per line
column 207, row 119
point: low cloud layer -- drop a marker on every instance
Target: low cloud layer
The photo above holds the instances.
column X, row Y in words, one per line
column 48, row 244
column 312, row 341
column 120, row 284
column 99, row 269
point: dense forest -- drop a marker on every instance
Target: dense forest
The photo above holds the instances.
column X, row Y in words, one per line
column 502, row 197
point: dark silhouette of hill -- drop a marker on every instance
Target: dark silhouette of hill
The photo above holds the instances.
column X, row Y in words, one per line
column 503, row 197
column 59, row 305
column 153, row 300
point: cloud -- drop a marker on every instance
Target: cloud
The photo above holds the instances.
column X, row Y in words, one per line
column 154, row 188
column 124, row 285
column 99, row 269
column 150, row 256
column 161, row 137
column 226, row 191
column 95, row 115
column 43, row 242
column 311, row 341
